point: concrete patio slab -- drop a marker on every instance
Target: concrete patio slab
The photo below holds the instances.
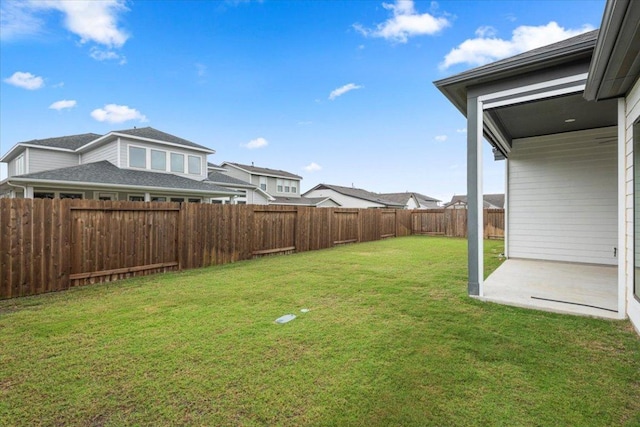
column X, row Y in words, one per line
column 572, row 288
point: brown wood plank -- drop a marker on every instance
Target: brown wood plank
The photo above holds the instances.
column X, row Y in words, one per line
column 273, row 251
column 122, row 270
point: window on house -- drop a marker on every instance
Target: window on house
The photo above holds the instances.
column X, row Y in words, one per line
column 636, row 208
column 136, row 198
column 294, row 187
column 263, row 183
column 44, row 195
column 71, row 195
column 194, row 200
column 20, row 165
column 158, row 199
column 177, row 162
column 195, row 165
column 137, row 157
column 158, row 160
column 107, row 196
column 280, row 185
column 217, row 201
column 177, row 199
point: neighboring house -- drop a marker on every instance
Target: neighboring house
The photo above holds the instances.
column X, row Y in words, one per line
column 140, row 164
column 412, row 200
column 349, row 197
column 566, row 117
column 490, row 201
column 251, row 194
column 317, row 202
column 277, row 183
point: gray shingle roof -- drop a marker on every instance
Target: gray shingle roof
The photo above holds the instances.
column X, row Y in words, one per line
column 299, row 201
column 490, row 200
column 359, row 193
column 223, row 178
column 151, row 133
column 108, row 174
column 403, row 198
column 264, row 171
column 71, row 142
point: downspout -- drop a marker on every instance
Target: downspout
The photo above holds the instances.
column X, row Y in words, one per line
column 24, row 188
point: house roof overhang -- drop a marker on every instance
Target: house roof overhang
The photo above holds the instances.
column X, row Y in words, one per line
column 616, row 64
column 546, row 84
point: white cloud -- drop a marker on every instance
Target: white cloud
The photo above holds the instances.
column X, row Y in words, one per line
column 61, row 105
column 343, row 89
column 461, row 130
column 113, row 113
column 404, row 23
column 107, row 55
column 487, row 48
column 91, row 20
column 256, row 143
column 313, row 167
column 95, row 21
column 486, row 31
column 25, row 80
column 441, row 138
column 17, row 20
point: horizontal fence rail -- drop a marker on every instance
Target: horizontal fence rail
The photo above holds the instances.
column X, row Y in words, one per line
column 50, row 245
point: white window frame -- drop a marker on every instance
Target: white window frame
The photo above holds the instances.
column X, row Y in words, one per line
column 280, row 185
column 129, row 196
column 263, row 183
column 113, row 196
column 151, row 150
column 199, row 159
column 20, row 165
column 146, row 154
column 184, row 157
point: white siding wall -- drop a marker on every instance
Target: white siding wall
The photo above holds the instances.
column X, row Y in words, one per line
column 106, row 152
column 236, row 173
column 345, row 201
column 632, row 115
column 43, row 160
column 256, row 198
column 124, row 156
column 562, row 197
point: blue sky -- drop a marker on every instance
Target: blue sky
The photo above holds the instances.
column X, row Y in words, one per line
column 339, row 92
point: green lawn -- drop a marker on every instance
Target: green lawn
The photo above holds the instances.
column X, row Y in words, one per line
column 391, row 339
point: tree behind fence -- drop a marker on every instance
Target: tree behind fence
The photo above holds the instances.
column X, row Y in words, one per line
column 51, row 245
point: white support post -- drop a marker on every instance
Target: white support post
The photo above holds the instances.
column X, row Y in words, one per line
column 623, row 256
column 475, row 213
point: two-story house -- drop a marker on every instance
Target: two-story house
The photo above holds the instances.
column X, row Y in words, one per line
column 252, row 194
column 139, row 164
column 283, row 187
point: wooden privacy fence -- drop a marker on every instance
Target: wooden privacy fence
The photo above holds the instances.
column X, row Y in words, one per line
column 51, row 244
column 453, row 223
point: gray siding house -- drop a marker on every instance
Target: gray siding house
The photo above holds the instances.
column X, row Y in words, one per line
column 280, row 187
column 565, row 118
column 140, row 164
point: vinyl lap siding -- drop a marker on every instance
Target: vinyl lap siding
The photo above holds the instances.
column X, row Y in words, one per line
column 106, row 152
column 632, row 115
column 562, row 197
column 43, row 160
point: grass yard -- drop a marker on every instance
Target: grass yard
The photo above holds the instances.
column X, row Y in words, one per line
column 391, row 339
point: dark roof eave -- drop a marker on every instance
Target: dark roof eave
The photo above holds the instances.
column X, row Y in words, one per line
column 617, row 34
column 510, row 67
